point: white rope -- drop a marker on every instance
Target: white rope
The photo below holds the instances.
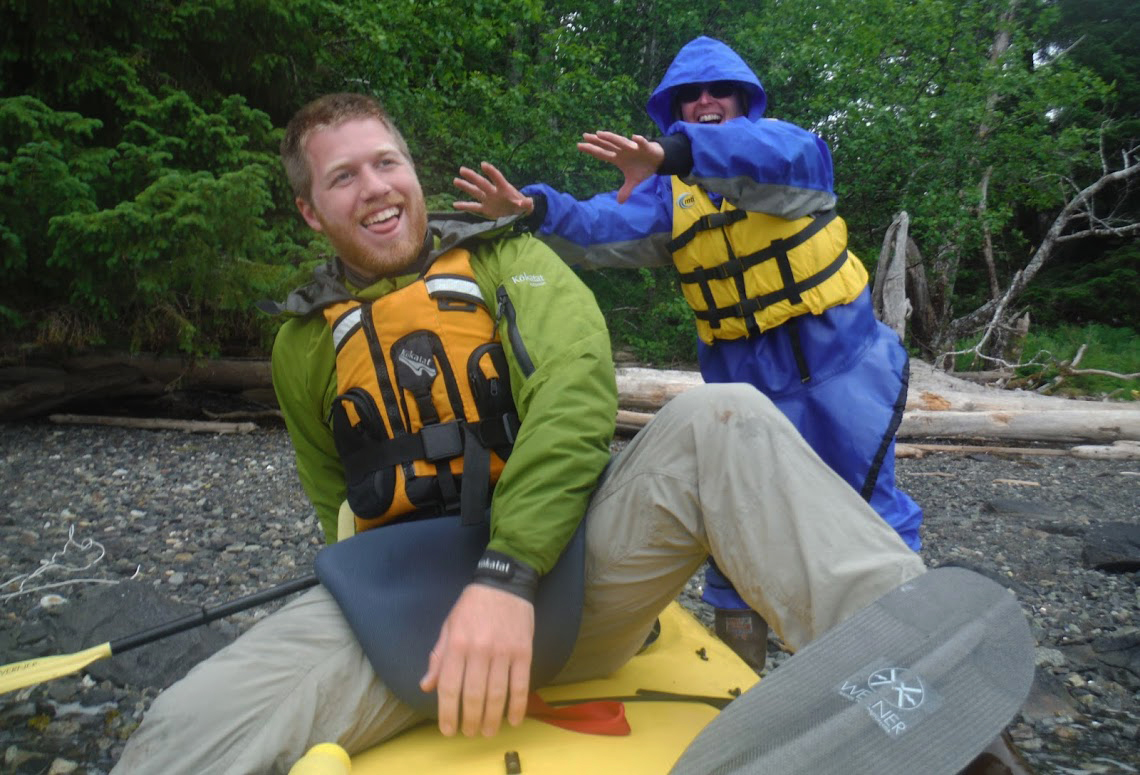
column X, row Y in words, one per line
column 56, row 563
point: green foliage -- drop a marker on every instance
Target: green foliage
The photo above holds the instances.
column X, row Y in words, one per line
column 1048, row 354
column 163, row 240
column 1078, row 290
column 646, row 314
column 1108, row 349
column 135, row 212
column 923, row 116
column 143, row 204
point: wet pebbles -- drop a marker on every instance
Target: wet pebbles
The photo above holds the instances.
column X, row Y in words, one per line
column 105, row 531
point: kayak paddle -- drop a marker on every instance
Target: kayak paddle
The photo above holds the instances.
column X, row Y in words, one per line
column 30, row 672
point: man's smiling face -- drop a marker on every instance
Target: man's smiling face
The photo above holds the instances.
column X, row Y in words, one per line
column 705, row 108
column 365, row 197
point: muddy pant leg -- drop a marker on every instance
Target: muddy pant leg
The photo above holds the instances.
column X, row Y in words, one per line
column 295, row 679
column 721, row 471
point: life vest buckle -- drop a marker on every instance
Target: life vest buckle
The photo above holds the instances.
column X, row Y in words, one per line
column 442, row 441
column 713, row 221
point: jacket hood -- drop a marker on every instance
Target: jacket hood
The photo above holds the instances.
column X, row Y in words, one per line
column 701, row 60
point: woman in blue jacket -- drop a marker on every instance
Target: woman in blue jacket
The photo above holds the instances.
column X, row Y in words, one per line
column 744, row 207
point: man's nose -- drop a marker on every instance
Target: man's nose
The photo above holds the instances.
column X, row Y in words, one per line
column 373, row 183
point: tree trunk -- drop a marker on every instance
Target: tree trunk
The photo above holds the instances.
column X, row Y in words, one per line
column 889, row 289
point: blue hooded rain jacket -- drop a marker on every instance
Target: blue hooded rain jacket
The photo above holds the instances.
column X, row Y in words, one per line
column 840, row 376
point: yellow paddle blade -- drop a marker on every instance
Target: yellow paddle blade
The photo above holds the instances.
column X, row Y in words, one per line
column 35, row 671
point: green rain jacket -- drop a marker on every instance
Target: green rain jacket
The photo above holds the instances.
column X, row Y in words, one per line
column 562, row 378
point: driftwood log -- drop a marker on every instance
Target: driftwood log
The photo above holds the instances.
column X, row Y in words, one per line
column 155, row 423
column 32, row 392
column 939, row 405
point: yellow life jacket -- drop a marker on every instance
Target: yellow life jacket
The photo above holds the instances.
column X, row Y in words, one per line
column 424, row 417
column 745, row 272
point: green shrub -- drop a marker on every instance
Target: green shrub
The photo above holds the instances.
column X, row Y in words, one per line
column 646, row 314
column 1047, row 354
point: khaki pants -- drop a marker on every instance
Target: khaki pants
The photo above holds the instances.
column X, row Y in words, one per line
column 719, row 471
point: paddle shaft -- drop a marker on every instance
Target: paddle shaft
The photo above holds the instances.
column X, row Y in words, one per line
column 207, row 615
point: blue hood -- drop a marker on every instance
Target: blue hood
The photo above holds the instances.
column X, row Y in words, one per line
column 701, row 60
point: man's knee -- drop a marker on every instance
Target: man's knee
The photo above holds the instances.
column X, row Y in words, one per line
column 720, row 402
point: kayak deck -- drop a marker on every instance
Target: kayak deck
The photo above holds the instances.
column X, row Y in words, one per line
column 686, row 661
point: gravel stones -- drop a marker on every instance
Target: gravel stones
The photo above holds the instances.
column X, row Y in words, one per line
column 162, row 518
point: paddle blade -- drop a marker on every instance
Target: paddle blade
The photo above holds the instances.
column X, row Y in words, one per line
column 36, row 671
column 918, row 682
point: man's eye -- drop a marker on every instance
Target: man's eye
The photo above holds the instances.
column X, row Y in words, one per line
column 341, row 177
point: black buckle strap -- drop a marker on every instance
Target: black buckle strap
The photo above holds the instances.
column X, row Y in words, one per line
column 754, row 304
column 704, row 223
column 476, row 482
column 774, row 249
column 497, row 433
column 433, row 443
column 442, row 441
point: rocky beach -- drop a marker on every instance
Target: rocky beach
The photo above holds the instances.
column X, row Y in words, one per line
column 106, row 531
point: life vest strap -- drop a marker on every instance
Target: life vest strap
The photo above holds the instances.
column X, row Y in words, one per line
column 775, row 249
column 442, row 441
column 753, row 305
column 705, row 223
column 476, row 482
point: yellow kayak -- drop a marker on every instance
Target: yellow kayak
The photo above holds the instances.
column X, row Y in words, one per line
column 672, row 690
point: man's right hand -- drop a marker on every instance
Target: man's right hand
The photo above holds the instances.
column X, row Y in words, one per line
column 480, row 665
column 494, row 195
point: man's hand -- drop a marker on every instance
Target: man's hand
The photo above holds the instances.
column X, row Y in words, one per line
column 636, row 157
column 494, row 195
column 481, row 663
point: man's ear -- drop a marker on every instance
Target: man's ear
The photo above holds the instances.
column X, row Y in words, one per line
column 308, row 213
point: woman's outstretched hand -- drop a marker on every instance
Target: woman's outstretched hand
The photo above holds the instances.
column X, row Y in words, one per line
column 636, row 157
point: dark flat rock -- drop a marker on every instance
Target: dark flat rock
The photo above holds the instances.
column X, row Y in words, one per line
column 1113, row 547
column 112, row 612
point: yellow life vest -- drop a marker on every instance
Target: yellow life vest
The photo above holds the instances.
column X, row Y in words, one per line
column 745, row 272
column 424, row 417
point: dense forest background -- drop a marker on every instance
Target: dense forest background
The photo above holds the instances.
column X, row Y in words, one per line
column 142, row 204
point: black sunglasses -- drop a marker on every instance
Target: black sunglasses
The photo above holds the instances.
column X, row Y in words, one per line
column 691, row 92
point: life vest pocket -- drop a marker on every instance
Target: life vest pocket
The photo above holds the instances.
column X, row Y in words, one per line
column 360, row 436
column 489, row 375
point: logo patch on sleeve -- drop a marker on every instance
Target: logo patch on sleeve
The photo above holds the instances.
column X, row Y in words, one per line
column 533, row 280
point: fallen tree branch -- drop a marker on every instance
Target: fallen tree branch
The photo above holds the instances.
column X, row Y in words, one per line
column 1102, row 373
column 263, row 414
column 985, row 377
column 922, row 450
column 154, row 423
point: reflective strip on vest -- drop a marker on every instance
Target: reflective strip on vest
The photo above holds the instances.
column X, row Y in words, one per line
column 455, row 286
column 743, row 273
column 344, row 327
